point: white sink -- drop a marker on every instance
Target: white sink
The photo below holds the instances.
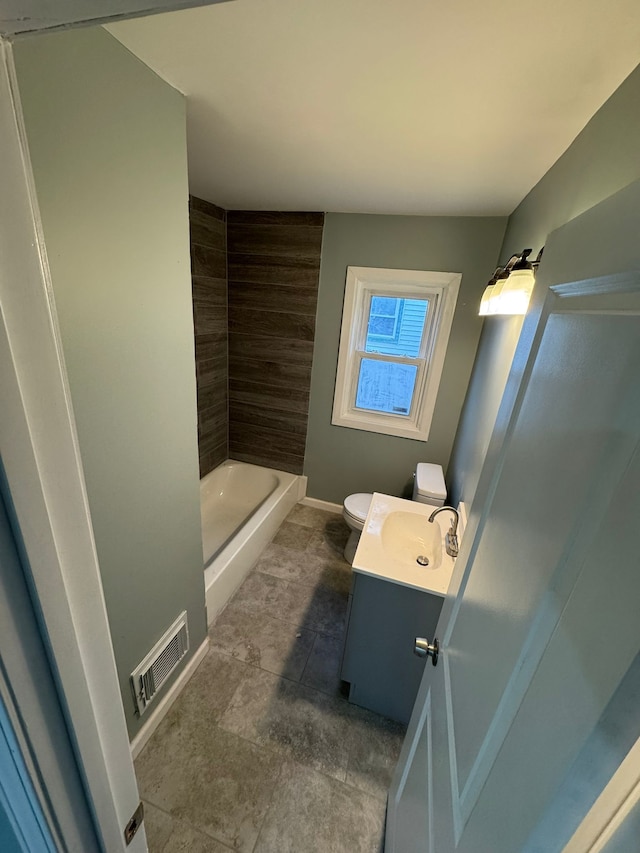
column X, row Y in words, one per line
column 395, row 534
column 409, row 535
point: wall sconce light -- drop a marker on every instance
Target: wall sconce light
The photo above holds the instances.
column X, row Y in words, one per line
column 510, row 288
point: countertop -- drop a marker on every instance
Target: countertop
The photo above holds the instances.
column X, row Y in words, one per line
column 373, row 560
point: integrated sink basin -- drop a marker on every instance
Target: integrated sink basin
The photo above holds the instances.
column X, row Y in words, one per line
column 409, row 536
column 396, row 533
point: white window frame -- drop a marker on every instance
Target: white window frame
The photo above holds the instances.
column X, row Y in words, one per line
column 441, row 289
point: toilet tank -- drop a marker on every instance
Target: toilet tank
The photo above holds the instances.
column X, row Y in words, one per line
column 428, row 486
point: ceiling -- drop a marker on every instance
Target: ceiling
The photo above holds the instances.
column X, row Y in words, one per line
column 374, row 106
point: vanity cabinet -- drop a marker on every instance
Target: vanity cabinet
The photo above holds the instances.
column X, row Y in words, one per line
column 384, row 618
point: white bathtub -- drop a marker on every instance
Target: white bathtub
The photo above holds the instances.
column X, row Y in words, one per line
column 241, row 507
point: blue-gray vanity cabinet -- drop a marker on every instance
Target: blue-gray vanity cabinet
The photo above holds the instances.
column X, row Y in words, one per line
column 384, row 618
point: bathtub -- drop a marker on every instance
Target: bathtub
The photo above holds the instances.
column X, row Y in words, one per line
column 241, row 508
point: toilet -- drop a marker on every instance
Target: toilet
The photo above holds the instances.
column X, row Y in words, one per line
column 428, row 488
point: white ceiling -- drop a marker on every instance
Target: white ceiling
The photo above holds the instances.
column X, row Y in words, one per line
column 385, row 106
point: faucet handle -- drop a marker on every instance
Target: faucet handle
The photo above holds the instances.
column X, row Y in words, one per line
column 451, row 544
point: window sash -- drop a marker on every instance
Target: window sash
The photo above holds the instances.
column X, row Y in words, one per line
column 433, row 299
column 418, row 387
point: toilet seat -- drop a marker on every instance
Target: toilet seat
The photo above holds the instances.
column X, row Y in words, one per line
column 357, row 506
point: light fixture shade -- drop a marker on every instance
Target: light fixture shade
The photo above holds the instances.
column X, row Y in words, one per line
column 486, row 300
column 515, row 294
column 496, row 295
column 510, row 288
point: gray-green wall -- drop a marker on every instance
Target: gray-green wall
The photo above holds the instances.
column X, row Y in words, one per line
column 340, row 460
column 604, row 158
column 107, row 142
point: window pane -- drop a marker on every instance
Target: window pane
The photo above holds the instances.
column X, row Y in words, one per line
column 385, row 306
column 395, row 326
column 385, row 386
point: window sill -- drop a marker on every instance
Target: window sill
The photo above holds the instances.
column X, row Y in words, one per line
column 383, row 426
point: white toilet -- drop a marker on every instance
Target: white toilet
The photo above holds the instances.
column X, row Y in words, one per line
column 428, row 488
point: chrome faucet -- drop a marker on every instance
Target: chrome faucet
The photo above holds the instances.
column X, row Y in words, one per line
column 451, row 538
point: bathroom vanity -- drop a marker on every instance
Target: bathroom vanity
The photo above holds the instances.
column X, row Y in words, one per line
column 393, row 600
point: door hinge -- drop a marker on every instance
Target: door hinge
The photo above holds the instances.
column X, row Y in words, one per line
column 134, row 824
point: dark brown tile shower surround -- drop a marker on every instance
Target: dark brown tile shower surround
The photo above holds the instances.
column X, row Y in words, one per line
column 255, row 288
column 210, row 318
column 273, row 271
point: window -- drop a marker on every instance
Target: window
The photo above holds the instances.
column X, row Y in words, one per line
column 395, row 329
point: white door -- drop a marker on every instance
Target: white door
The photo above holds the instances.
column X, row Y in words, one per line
column 542, row 623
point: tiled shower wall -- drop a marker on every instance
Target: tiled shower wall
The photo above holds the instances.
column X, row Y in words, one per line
column 210, row 317
column 254, row 332
column 274, row 265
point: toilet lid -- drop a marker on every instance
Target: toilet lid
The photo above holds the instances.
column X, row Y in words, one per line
column 358, row 505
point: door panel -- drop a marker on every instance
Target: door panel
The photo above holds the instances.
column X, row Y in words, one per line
column 589, row 654
column 558, row 457
column 413, row 822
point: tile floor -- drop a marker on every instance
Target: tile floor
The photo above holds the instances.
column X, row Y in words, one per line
column 262, row 753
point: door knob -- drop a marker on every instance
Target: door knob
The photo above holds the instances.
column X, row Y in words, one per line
column 424, row 649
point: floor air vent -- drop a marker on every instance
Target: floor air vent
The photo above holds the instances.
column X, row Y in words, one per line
column 149, row 676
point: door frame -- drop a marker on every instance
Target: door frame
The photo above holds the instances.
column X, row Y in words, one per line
column 41, row 458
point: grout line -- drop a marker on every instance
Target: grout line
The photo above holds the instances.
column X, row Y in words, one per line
column 180, row 820
column 295, row 624
column 340, row 699
column 306, row 663
column 262, row 669
column 268, row 808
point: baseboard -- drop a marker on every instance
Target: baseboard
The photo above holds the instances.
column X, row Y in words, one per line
column 327, row 506
column 161, row 710
column 302, row 486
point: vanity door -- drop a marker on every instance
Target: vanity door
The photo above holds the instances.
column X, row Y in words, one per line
column 541, row 622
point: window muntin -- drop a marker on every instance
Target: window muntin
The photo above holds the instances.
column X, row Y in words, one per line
column 394, row 335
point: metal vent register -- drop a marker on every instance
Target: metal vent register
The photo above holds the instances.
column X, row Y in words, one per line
column 149, row 676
